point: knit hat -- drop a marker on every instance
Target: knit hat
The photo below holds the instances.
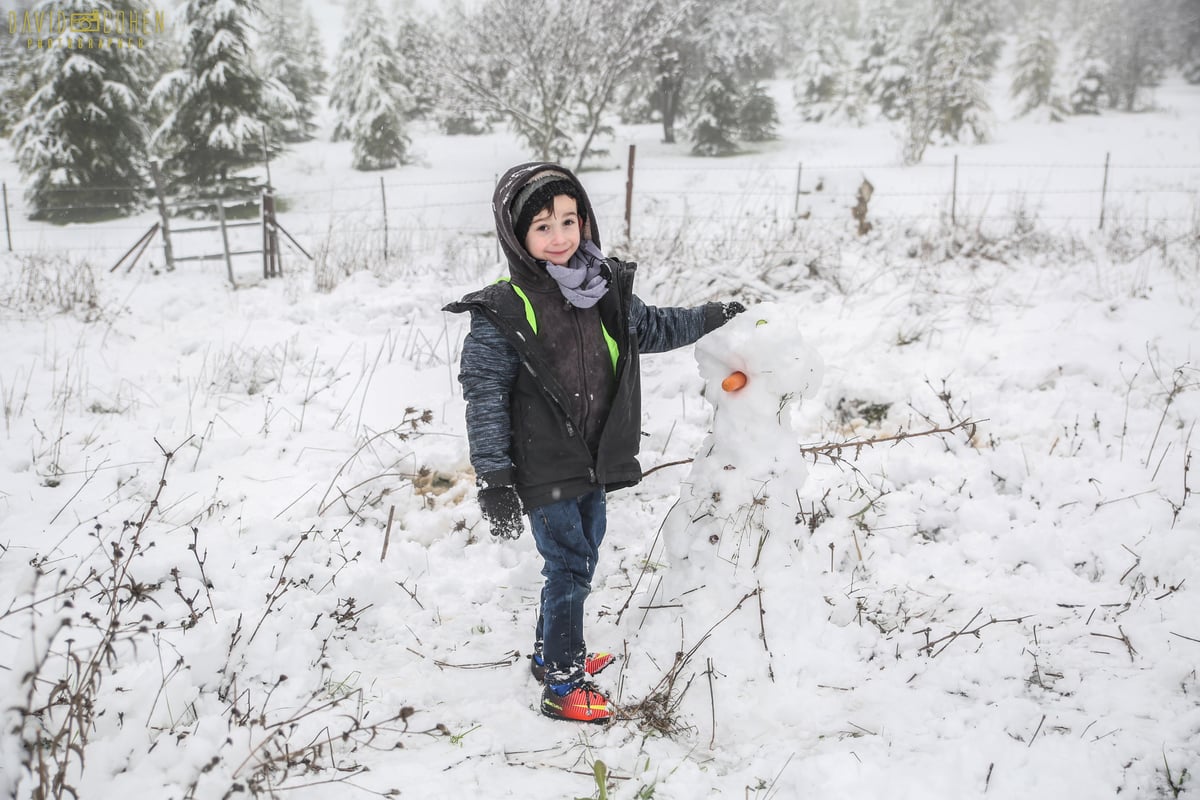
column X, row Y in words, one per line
column 538, row 194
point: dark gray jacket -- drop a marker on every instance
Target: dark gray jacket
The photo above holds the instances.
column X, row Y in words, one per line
column 556, row 412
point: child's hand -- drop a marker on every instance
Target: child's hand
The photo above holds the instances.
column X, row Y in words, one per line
column 501, row 507
column 731, row 309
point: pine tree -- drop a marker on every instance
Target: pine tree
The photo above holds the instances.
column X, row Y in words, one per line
column 1136, row 53
column 1091, row 87
column 369, row 94
column 716, row 119
column 81, row 141
column 819, row 86
column 1189, row 29
column 1129, row 36
column 948, row 94
column 414, row 38
column 758, row 119
column 734, row 44
column 219, row 107
column 16, row 83
column 884, row 78
column 1033, row 76
column 293, row 57
column 734, row 39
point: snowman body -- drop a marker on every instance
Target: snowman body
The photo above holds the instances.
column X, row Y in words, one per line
column 742, row 489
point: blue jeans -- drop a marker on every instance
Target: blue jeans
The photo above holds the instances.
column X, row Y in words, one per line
column 568, row 534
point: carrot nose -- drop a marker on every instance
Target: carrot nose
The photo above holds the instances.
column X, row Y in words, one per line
column 735, row 381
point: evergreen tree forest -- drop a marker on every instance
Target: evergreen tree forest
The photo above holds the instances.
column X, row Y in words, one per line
column 80, row 129
column 235, row 82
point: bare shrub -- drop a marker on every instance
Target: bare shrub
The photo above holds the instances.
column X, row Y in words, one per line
column 341, row 254
column 81, row 628
column 52, row 282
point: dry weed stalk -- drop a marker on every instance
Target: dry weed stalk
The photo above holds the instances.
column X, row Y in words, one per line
column 409, row 426
column 833, row 450
column 657, row 710
column 58, row 713
column 965, row 630
column 98, row 620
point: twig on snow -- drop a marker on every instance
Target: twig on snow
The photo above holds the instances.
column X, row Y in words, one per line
column 507, row 661
column 1123, row 639
column 1039, row 730
column 965, row 630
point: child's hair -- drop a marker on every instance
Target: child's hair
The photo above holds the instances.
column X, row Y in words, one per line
column 538, row 196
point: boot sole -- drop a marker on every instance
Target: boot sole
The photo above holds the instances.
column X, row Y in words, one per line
column 600, row 721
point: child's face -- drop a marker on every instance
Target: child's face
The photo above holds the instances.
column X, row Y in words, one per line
column 554, row 233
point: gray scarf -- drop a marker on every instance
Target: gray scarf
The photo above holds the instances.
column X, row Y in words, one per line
column 582, row 280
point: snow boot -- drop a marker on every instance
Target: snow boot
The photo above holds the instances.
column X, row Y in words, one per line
column 579, row 701
column 594, row 665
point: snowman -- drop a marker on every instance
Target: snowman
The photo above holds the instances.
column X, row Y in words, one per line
column 743, row 487
column 729, row 597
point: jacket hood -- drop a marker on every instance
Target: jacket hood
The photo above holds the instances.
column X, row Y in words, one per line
column 523, row 267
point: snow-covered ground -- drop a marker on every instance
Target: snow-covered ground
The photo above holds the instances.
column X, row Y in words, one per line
column 1004, row 610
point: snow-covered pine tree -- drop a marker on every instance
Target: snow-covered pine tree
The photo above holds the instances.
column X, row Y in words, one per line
column 414, row 38
column 758, row 119
column 948, row 94
column 1130, row 37
column 290, row 53
column 1189, row 28
column 1089, row 71
column 347, row 67
column 369, row 94
column 1034, row 72
column 1191, row 67
column 456, row 109
column 16, row 81
column 716, row 118
column 820, row 78
column 1136, row 52
column 736, row 40
column 1091, row 87
column 734, row 43
column 81, row 139
column 987, row 31
column 884, row 70
column 218, row 107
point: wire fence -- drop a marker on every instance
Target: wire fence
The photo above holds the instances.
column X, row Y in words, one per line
column 392, row 211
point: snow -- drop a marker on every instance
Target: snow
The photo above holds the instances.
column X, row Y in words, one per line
column 1004, row 610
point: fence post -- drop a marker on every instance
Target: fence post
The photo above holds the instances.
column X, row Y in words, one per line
column 954, row 193
column 799, row 173
column 162, row 213
column 383, row 194
column 266, row 237
column 629, row 193
column 225, row 240
column 266, row 155
column 1103, row 190
column 7, row 227
column 272, row 266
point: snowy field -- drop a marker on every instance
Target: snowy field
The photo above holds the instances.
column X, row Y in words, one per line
column 240, row 551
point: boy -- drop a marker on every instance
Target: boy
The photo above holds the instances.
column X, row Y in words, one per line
column 550, row 374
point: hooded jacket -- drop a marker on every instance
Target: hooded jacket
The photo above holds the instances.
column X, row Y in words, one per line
column 553, row 392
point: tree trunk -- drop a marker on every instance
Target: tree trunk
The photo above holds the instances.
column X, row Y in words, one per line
column 669, row 90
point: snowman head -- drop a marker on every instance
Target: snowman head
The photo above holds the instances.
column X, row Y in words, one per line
column 758, row 364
